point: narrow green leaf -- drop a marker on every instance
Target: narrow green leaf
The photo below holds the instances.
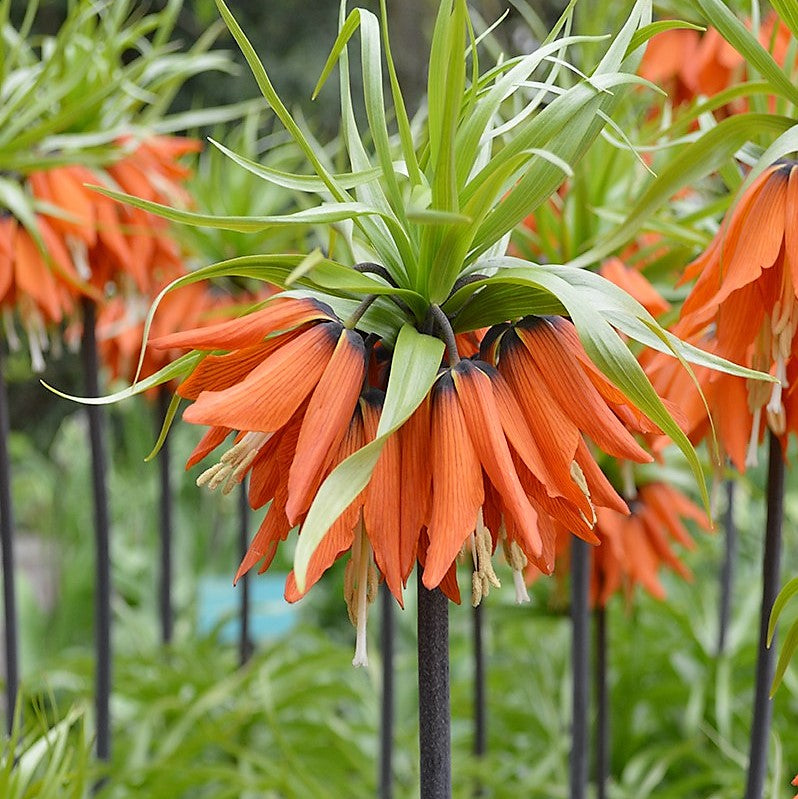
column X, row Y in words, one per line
column 642, row 35
column 268, row 91
column 788, row 11
column 179, row 368
column 324, row 213
column 402, row 120
column 414, row 366
column 171, row 412
column 785, row 656
column 290, row 180
column 785, row 595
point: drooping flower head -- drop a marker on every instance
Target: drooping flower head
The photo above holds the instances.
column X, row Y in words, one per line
column 635, row 546
column 744, row 306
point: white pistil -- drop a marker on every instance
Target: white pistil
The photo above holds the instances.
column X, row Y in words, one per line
column 775, row 407
column 80, row 258
column 751, row 458
column 234, row 464
column 361, row 554
column 521, row 594
column 515, row 556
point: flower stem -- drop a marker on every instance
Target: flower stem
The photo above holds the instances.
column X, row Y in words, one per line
column 357, row 314
column 102, row 588
column 165, row 587
column 244, row 644
column 766, row 660
column 580, row 576
column 7, row 540
column 445, row 326
column 434, row 733
column 727, row 571
column 603, row 704
column 480, row 705
column 386, row 717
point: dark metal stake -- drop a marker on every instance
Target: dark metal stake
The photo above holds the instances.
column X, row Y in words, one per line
column 727, row 571
column 244, row 644
column 386, row 718
column 766, row 660
column 102, row 588
column 580, row 577
column 165, row 587
column 7, row 541
column 434, row 732
column 603, row 702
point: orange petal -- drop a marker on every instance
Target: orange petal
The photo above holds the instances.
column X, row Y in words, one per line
column 577, row 396
column 556, row 435
column 481, row 416
column 33, row 276
column 267, row 398
column 457, row 491
column 212, row 438
column 635, row 284
column 8, row 231
column 601, row 491
column 335, row 542
column 448, row 585
column 273, row 529
column 279, row 315
column 220, row 372
column 415, row 483
column 326, row 421
column 382, row 509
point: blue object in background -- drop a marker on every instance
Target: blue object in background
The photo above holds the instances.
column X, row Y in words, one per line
column 270, row 615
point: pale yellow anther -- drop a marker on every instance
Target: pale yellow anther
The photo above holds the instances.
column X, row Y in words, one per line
column 483, row 576
column 578, row 476
column 234, row 464
column 476, row 589
column 349, row 590
column 209, row 474
column 372, row 585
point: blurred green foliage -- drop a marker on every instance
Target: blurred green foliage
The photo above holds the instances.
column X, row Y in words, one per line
column 299, row 721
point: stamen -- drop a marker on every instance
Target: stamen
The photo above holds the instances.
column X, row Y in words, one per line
column 578, row 476
column 34, row 346
column 481, row 550
column 628, row 479
column 234, row 464
column 349, row 590
column 79, row 253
